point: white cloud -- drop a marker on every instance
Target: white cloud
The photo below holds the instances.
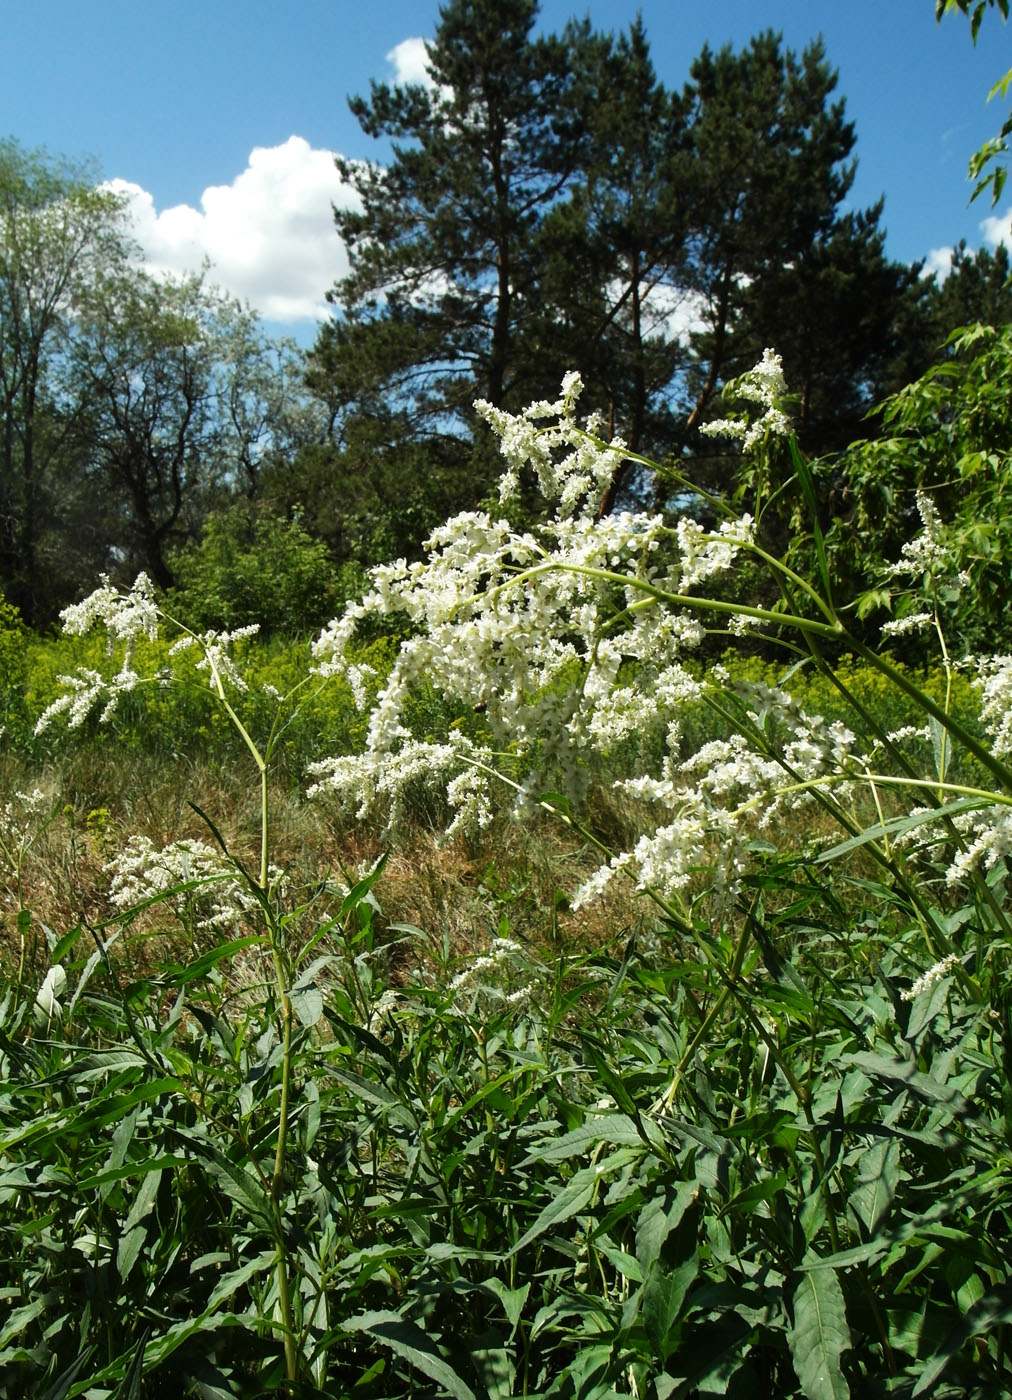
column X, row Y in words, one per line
column 269, row 235
column 410, row 60
column 938, row 264
column 672, row 312
column 998, row 229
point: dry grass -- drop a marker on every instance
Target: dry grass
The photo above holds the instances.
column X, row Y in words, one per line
column 459, row 894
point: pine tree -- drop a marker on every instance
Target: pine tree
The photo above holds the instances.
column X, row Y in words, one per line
column 442, row 281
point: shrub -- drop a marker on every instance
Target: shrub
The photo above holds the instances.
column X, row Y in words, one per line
column 265, row 570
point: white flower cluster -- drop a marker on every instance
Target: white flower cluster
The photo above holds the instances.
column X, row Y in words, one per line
column 544, row 635
column 565, row 641
column 902, row 626
column 928, row 979
column 20, row 818
column 704, row 555
column 724, row 785
column 219, row 898
column 126, row 617
column 489, row 974
column 763, row 385
column 927, row 552
column 214, row 657
column 533, row 437
column 994, row 681
column 84, row 692
column 987, row 837
column 500, row 952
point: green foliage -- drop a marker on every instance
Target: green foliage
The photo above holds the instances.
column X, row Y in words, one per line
column 552, row 204
column 13, row 670
column 369, row 502
column 441, row 277
column 988, row 166
column 59, row 236
column 603, row 1175
column 758, row 1146
column 265, row 570
column 948, row 435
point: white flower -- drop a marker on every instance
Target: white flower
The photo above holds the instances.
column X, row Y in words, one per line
column 990, row 833
column 928, row 979
column 763, row 385
column 994, row 681
column 218, row 896
column 913, row 622
column 125, row 616
column 705, row 554
column 927, row 552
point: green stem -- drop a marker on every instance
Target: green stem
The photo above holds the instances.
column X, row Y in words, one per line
column 711, row 1017
column 834, row 631
column 277, row 1177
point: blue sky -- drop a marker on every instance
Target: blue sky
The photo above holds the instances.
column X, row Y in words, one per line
column 219, row 118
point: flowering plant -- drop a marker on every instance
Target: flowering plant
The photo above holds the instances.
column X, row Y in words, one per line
column 740, row 1157
column 571, row 638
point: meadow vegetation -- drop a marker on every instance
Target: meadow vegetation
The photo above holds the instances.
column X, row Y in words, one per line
column 622, row 1009
column 571, row 961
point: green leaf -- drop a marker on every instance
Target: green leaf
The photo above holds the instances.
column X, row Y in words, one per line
column 512, row 1299
column 65, row 944
column 663, row 1296
column 133, row 1380
column 20, row 1318
column 493, row 1364
column 659, row 1217
column 231, row 1282
column 128, row 1169
column 563, row 1206
column 941, row 747
column 410, row 1342
column 992, row 1310
column 615, row 1128
column 819, row 1336
column 804, row 473
column 574, row 1196
column 307, row 1003
column 311, row 1097
column 610, row 1081
column 134, row 1232
column 876, row 1183
column 102, row 1062
column 242, row 1186
column 377, row 1094
column 128, row 1250
column 896, row 826
column 199, row 968
column 906, row 1072
column 63, row 1382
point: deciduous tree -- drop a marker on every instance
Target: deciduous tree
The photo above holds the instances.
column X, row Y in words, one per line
column 60, row 236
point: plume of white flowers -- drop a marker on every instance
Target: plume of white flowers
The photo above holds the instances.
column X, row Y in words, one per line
column 763, row 385
column 994, row 681
column 929, row 979
column 215, row 897
column 564, row 641
column 126, row 618
column 927, row 552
